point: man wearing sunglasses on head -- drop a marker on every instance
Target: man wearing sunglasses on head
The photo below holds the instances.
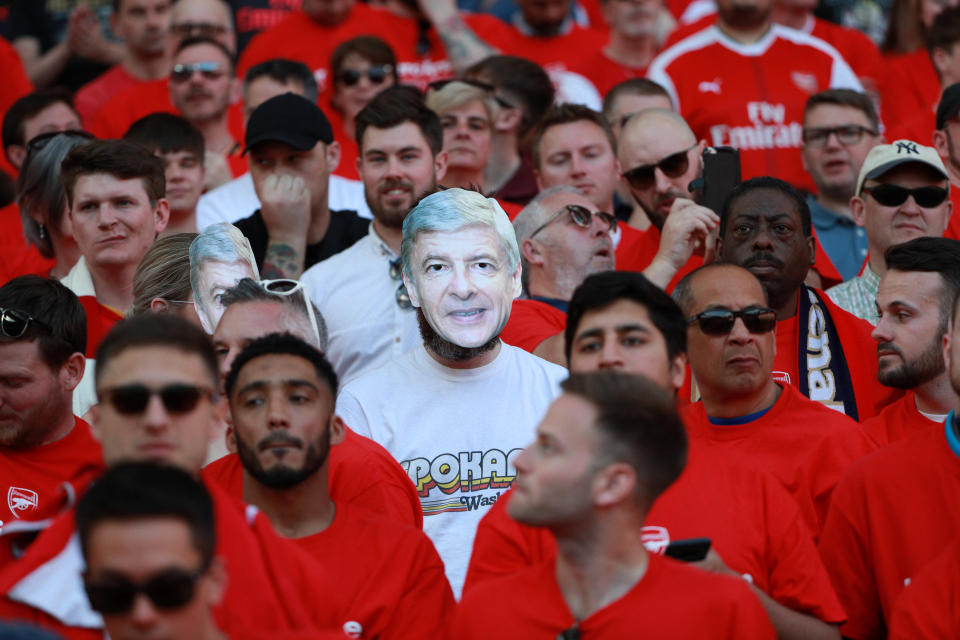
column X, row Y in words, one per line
column 743, row 410
column 902, row 193
column 42, row 445
column 156, row 379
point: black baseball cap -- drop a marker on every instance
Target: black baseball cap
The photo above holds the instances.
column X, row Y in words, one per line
column 949, row 105
column 290, row 119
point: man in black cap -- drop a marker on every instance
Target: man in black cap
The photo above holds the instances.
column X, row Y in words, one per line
column 946, row 140
column 292, row 153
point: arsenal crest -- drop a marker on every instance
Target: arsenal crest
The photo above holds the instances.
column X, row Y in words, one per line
column 21, row 500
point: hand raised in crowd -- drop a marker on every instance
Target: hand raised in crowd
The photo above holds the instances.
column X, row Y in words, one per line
column 85, row 37
column 689, row 229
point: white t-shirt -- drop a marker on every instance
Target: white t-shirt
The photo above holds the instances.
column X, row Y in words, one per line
column 358, row 299
column 456, row 432
column 238, row 199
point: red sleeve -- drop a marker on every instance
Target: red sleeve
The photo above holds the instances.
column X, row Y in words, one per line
column 531, row 322
column 927, row 607
column 427, row 606
column 748, row 618
column 503, row 546
column 845, row 549
column 827, row 462
column 16, row 83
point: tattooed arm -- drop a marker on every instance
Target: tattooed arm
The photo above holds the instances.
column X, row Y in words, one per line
column 281, row 261
column 463, row 46
column 285, row 207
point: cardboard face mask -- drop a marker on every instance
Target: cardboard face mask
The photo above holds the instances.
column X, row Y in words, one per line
column 219, row 258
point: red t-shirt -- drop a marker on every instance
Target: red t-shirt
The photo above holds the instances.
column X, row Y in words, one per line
column 605, row 73
column 14, row 84
column 779, row 442
column 753, row 524
column 670, row 601
column 531, row 322
column 362, row 474
column 100, row 319
column 897, row 421
column 31, row 480
column 909, row 86
column 389, row 575
column 637, row 249
column 272, row 584
column 555, row 54
column 19, row 258
column 927, row 607
column 893, row 513
column 96, row 93
column 859, row 351
column 752, row 96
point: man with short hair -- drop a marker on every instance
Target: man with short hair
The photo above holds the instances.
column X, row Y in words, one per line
column 140, row 505
column 620, row 321
column 840, row 127
column 886, row 522
column 914, row 300
column 292, row 153
column 461, row 270
column 281, row 393
column 156, row 378
column 606, row 449
column 143, row 28
column 765, row 228
column 42, row 444
column 362, row 473
column 202, row 89
column 180, row 145
column 946, row 140
column 730, row 346
column 631, row 97
column 359, row 290
column 744, row 83
column 901, row 193
column 43, row 111
column 115, row 191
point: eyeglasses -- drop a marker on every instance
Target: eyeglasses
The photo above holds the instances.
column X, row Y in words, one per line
column 892, row 195
column 183, row 72
column 376, row 75
column 719, row 322
column 396, row 272
column 436, row 85
column 14, row 323
column 132, row 399
column 581, row 216
column 207, row 29
column 288, row 287
column 673, row 166
column 846, row 135
column 169, row 589
column 37, row 143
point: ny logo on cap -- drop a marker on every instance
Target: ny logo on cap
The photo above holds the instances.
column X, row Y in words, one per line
column 907, row 147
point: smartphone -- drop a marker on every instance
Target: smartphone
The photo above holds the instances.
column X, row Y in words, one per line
column 689, row 550
column 721, row 174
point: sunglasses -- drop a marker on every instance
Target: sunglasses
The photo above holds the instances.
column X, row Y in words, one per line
column 436, row 85
column 376, row 75
column 847, row 135
column 132, row 399
column 581, row 216
column 14, row 323
column 396, row 271
column 169, row 589
column 183, row 72
column 289, row 287
column 719, row 322
column 891, row 195
column 673, row 166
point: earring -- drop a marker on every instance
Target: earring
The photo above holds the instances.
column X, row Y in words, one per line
column 43, row 232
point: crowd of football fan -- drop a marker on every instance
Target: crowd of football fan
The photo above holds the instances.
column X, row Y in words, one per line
column 534, row 319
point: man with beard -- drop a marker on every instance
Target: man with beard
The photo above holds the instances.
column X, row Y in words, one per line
column 281, row 393
column 823, row 351
column 359, row 291
column 744, row 83
column 202, row 88
column 892, row 514
column 563, row 239
column 457, row 410
column 914, row 302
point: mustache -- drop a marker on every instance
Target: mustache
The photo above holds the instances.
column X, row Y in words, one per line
column 279, row 437
column 395, row 184
column 763, row 257
column 888, row 346
column 198, row 92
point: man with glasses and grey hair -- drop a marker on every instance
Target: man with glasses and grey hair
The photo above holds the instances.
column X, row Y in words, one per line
column 474, row 401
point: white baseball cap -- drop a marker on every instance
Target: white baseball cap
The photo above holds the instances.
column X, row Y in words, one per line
column 884, row 157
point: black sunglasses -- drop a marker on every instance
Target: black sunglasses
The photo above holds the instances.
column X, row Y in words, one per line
column 581, row 216
column 132, row 399
column 169, row 589
column 673, row 166
column 14, row 323
column 183, row 72
column 436, row 85
column 376, row 75
column 719, row 322
column 892, row 195
column 396, row 271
